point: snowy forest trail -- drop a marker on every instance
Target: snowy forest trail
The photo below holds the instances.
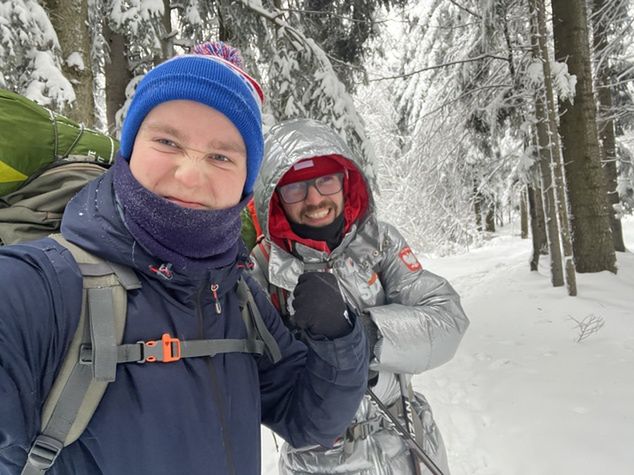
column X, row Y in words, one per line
column 521, row 397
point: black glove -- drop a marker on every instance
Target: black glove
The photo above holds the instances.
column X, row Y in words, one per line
column 319, row 306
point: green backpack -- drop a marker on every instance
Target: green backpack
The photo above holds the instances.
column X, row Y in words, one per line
column 45, row 159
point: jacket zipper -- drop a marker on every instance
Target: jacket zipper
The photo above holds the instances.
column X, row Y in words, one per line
column 215, row 387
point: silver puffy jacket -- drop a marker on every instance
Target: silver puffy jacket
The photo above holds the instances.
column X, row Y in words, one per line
column 418, row 314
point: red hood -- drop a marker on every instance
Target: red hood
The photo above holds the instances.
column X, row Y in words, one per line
column 356, row 201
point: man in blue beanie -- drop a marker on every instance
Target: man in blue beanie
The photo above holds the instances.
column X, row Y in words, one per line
column 217, row 360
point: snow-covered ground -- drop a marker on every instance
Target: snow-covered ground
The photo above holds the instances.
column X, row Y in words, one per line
column 521, row 397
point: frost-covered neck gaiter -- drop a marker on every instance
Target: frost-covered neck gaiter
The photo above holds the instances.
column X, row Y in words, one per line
column 192, row 240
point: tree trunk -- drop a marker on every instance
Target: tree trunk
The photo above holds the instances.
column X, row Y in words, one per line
column 540, row 48
column 592, row 236
column 167, row 44
column 538, row 227
column 226, row 31
column 541, row 142
column 489, row 221
column 548, row 192
column 70, row 21
column 477, row 205
column 118, row 75
column 605, row 124
column 524, row 213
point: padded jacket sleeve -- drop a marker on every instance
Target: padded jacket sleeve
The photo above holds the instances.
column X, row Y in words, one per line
column 32, row 331
column 312, row 394
column 422, row 322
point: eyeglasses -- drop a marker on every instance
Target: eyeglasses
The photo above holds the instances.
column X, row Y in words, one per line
column 326, row 185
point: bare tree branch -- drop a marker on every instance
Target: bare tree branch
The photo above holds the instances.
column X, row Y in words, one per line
column 438, row 66
column 465, row 9
column 343, row 17
column 465, row 94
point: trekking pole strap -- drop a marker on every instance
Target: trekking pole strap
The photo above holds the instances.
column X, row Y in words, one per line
column 401, row 431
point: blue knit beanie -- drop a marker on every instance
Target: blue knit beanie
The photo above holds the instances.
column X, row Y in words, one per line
column 218, row 82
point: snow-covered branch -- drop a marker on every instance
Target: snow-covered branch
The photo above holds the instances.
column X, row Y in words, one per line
column 440, row 66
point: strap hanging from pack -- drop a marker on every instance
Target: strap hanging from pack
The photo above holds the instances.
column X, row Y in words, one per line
column 79, row 385
column 252, row 317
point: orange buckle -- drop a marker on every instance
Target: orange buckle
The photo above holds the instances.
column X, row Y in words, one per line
column 170, row 350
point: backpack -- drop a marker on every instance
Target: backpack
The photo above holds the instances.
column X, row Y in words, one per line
column 33, row 138
column 45, row 159
column 96, row 349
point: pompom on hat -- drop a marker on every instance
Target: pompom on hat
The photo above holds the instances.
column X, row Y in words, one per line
column 213, row 76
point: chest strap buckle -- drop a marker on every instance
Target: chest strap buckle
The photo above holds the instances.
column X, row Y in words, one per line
column 165, row 350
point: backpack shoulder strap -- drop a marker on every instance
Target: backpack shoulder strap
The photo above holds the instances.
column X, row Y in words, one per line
column 254, row 323
column 261, row 253
column 90, row 361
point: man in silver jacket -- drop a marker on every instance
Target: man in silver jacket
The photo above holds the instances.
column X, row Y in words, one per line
column 317, row 213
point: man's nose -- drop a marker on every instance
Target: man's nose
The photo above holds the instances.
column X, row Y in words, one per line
column 188, row 172
column 312, row 195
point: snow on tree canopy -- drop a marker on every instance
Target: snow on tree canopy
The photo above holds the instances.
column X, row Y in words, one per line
column 75, row 60
column 564, row 82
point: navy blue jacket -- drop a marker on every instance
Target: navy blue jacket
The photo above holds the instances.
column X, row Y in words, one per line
column 161, row 418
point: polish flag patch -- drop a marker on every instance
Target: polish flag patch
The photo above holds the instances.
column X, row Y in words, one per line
column 409, row 259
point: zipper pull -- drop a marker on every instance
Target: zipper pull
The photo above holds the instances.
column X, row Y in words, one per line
column 214, row 293
column 164, row 270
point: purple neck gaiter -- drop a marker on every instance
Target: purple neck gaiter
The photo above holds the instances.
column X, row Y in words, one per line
column 192, row 240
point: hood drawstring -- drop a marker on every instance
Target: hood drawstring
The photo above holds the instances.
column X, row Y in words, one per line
column 164, row 270
column 214, row 293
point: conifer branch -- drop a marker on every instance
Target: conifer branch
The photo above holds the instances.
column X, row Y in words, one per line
column 470, row 12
